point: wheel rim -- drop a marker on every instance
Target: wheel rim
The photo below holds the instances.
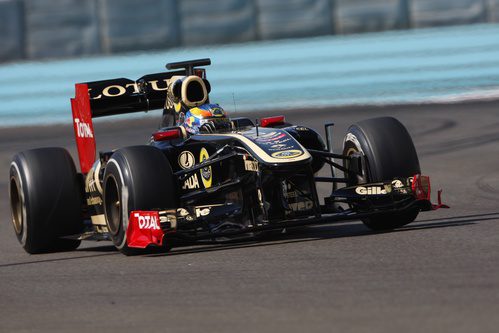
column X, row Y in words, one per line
column 16, row 203
column 112, row 205
column 350, row 151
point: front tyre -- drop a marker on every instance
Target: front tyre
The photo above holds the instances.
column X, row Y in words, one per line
column 389, row 153
column 136, row 178
column 45, row 200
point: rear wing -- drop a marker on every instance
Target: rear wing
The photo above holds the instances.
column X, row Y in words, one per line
column 112, row 97
column 119, row 96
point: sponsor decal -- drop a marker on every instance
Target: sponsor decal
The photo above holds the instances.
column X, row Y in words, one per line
column 370, row 190
column 195, row 212
column 83, row 129
column 399, row 186
column 202, row 211
column 275, row 141
column 206, row 175
column 251, row 166
column 301, row 205
column 186, row 160
column 117, row 90
column 191, row 183
column 144, row 229
column 168, row 217
column 272, row 136
column 94, row 201
column 287, row 153
column 147, row 221
column 155, row 85
column 182, row 212
column 281, row 141
column 298, row 202
column 278, row 146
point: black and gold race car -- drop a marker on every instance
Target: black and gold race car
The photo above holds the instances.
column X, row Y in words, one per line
column 224, row 178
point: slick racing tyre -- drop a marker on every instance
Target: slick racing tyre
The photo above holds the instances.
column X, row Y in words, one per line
column 45, row 200
column 389, row 153
column 135, row 178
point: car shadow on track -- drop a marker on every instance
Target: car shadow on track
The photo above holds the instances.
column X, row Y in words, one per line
column 297, row 235
column 315, row 233
column 52, row 260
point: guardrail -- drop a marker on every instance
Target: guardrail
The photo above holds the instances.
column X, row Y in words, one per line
column 38, row 29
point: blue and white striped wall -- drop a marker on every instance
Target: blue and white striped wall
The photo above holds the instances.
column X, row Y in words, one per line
column 410, row 66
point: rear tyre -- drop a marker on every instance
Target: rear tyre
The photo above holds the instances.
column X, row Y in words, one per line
column 136, row 178
column 390, row 153
column 45, row 200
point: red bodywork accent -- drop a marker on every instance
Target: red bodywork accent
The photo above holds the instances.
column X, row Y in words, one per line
column 167, row 135
column 421, row 188
column 83, row 127
column 144, row 229
column 200, row 73
column 272, row 121
column 439, row 203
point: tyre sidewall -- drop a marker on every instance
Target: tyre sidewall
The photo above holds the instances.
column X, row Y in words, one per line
column 145, row 182
column 114, row 170
column 18, row 178
column 50, row 192
column 387, row 146
column 390, row 154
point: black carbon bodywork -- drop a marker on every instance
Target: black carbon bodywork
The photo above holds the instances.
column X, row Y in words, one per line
column 228, row 184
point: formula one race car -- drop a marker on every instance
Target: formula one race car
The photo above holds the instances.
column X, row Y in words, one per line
column 206, row 176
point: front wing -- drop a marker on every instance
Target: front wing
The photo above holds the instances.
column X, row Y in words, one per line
column 148, row 228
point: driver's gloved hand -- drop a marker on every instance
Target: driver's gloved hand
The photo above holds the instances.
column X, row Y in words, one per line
column 207, row 128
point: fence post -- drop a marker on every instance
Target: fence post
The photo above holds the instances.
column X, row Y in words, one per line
column 405, row 8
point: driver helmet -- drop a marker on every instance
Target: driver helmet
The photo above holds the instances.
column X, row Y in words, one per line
column 206, row 118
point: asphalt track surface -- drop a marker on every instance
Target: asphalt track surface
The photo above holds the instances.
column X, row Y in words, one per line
column 438, row 274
